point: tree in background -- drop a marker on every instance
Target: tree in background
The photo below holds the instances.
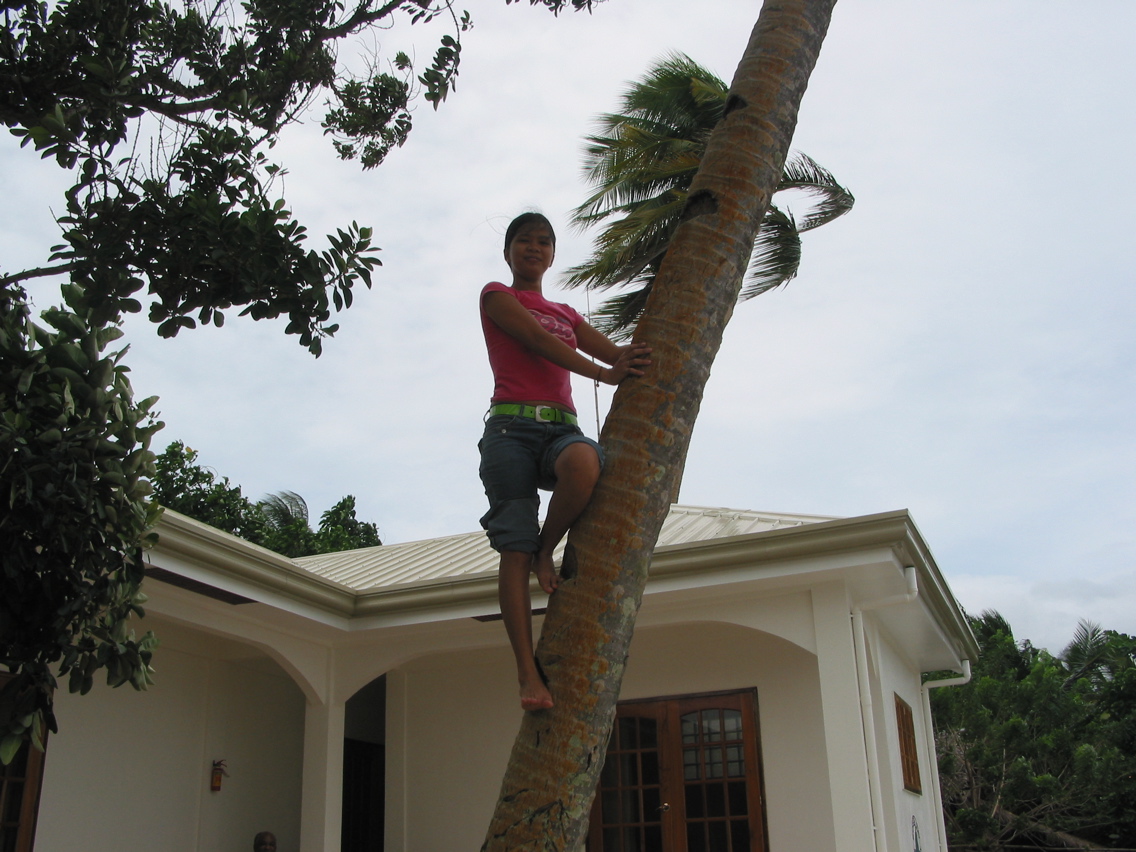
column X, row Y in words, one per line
column 181, row 484
column 551, row 777
column 278, row 521
column 286, row 516
column 1038, row 750
column 642, row 162
column 289, row 532
column 340, row 530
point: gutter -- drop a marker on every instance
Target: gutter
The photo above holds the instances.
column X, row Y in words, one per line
column 229, row 557
column 867, row 715
column 233, row 558
column 929, row 735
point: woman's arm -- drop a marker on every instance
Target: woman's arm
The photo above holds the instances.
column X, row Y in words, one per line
column 624, row 360
column 515, row 320
column 597, row 344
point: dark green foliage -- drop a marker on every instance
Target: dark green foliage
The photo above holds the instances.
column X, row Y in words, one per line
column 642, row 161
column 339, row 529
column 278, row 522
column 184, row 486
column 205, row 88
column 74, row 463
column 381, row 102
column 289, row 531
column 1038, row 748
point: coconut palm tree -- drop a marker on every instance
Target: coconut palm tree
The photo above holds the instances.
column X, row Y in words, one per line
column 285, row 509
column 555, row 763
column 1096, row 654
column 641, row 163
column 288, row 529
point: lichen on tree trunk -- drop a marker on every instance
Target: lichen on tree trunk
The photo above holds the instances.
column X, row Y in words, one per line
column 551, row 778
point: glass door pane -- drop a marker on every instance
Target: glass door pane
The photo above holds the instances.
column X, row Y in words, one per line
column 630, row 788
column 714, row 781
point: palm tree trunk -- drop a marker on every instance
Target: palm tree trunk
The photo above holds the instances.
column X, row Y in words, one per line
column 552, row 773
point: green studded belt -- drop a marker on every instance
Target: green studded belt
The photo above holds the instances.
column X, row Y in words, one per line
column 539, row 413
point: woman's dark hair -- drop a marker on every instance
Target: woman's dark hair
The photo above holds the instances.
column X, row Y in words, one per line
column 529, row 218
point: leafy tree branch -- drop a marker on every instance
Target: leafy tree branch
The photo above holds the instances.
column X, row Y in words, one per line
column 76, row 456
column 208, row 87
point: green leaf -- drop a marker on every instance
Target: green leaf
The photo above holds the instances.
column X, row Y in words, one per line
column 9, row 747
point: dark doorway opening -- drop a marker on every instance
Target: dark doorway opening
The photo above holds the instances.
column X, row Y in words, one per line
column 364, row 769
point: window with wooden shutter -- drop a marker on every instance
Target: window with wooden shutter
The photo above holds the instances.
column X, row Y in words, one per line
column 908, row 754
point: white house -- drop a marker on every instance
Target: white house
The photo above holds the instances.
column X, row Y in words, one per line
column 772, row 700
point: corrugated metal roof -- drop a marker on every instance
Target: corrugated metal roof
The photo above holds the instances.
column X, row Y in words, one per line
column 467, row 554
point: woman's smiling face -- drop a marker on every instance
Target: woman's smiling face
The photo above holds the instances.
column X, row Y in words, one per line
column 531, row 252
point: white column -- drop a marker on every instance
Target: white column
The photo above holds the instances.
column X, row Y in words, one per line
column 843, row 728
column 321, row 810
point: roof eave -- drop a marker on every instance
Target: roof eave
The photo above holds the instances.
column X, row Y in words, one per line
column 893, row 530
column 235, row 565
column 238, row 566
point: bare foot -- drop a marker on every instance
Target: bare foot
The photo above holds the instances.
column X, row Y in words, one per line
column 545, row 572
column 535, row 696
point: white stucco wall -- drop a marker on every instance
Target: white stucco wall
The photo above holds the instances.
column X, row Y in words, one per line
column 130, row 770
column 451, row 721
column 909, row 811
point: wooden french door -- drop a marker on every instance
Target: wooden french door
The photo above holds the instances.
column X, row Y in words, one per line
column 19, row 794
column 682, row 775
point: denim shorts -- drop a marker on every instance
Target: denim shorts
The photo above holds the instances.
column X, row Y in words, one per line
column 518, row 456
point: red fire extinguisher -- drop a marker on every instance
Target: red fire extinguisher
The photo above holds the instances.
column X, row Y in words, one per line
column 215, row 778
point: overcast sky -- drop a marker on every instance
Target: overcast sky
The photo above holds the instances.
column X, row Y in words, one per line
column 960, row 345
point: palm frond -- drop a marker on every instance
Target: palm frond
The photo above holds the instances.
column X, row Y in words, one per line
column 617, row 316
column 656, row 141
column 1087, row 654
column 637, row 165
column 776, row 254
column 988, row 623
column 284, row 508
column 630, row 245
column 707, row 90
column 678, row 91
column 640, row 163
column 802, row 172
